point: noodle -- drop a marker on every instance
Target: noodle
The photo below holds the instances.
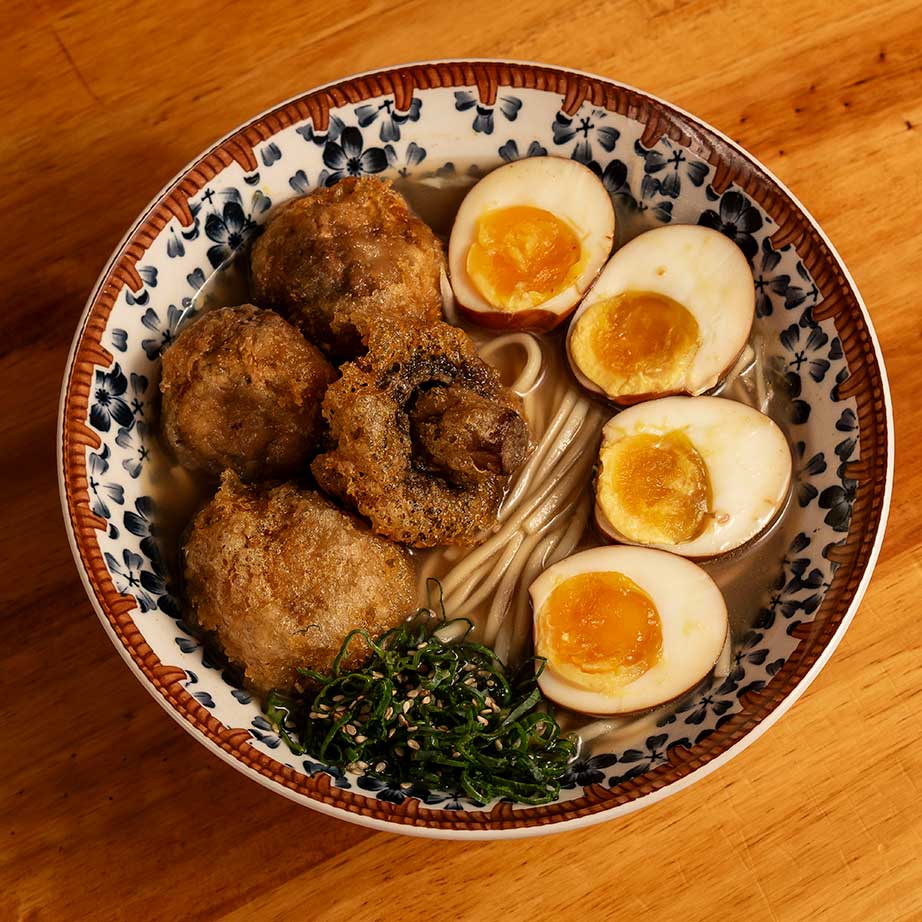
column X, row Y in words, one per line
column 545, row 512
column 534, row 361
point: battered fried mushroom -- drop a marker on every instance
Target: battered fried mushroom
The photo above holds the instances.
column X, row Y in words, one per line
column 242, row 389
column 425, row 435
column 353, row 249
column 280, row 576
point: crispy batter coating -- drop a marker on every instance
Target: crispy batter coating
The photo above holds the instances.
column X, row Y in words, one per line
column 426, row 436
column 280, row 576
column 352, row 249
column 242, row 389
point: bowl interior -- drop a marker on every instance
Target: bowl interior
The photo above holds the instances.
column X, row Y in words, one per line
column 434, row 129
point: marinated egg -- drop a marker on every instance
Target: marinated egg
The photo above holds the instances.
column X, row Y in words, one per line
column 527, row 242
column 625, row 629
column 669, row 314
column 698, row 476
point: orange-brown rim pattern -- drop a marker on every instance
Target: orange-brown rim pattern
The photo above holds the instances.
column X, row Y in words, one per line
column 865, row 384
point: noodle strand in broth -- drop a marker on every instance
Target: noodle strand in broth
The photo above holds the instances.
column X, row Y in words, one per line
column 545, row 512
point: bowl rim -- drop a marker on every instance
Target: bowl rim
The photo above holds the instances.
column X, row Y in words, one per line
column 486, row 832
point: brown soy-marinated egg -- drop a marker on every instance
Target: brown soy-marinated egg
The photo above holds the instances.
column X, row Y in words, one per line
column 669, row 314
column 527, row 242
column 625, row 629
column 698, row 476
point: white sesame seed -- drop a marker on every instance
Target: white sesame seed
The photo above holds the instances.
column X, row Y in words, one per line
column 389, row 713
column 350, row 730
column 406, row 706
column 361, row 739
column 339, row 697
column 483, row 720
column 382, row 765
column 413, row 744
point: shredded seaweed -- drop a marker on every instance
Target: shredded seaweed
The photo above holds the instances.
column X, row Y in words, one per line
column 427, row 710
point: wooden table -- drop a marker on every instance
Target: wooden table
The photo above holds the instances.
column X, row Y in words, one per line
column 108, row 809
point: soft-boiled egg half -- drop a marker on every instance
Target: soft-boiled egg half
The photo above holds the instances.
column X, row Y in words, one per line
column 669, row 314
column 527, row 242
column 625, row 629
column 698, row 476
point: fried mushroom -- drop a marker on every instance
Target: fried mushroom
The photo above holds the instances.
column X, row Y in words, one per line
column 350, row 250
column 425, row 436
column 279, row 576
column 242, row 389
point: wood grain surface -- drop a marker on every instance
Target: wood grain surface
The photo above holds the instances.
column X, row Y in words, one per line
column 108, row 810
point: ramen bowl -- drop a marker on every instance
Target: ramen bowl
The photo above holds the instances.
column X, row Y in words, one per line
column 449, row 123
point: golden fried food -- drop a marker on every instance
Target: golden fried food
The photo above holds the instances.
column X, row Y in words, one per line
column 352, row 249
column 242, row 389
column 280, row 576
column 425, row 434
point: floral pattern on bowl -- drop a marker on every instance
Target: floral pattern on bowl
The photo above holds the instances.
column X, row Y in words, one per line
column 659, row 166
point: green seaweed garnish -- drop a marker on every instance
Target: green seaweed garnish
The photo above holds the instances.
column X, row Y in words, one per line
column 426, row 710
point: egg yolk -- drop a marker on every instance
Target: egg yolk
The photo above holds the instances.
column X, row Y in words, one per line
column 635, row 343
column 522, row 256
column 599, row 629
column 655, row 489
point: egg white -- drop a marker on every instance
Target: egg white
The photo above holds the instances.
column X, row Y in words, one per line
column 702, row 270
column 747, row 456
column 693, row 616
column 566, row 189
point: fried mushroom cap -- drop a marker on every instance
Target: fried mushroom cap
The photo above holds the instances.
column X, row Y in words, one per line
column 425, row 436
column 350, row 250
column 242, row 389
column 280, row 576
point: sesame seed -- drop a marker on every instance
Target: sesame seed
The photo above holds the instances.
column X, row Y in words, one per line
column 498, row 744
column 413, row 744
column 483, row 720
column 413, row 694
column 406, row 785
column 351, row 730
column 339, row 697
column 361, row 739
column 382, row 765
column 377, row 675
column 406, row 706
column 389, row 713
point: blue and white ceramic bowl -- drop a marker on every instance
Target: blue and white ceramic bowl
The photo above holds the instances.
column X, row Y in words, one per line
column 660, row 165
